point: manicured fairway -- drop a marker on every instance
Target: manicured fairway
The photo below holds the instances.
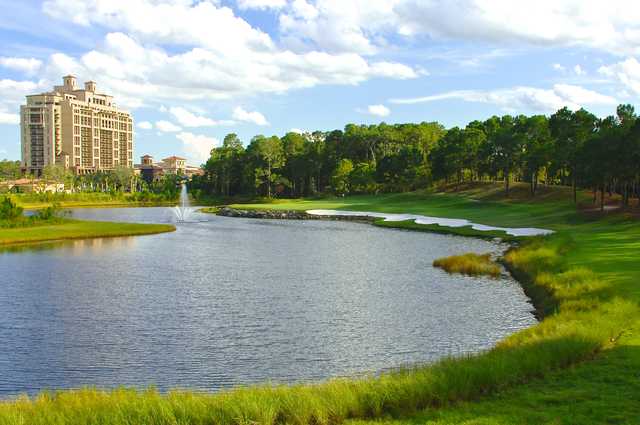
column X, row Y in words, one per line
column 77, row 229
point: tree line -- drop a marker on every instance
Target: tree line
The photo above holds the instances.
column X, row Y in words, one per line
column 116, row 182
column 572, row 148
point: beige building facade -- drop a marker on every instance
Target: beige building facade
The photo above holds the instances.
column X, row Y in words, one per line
column 174, row 165
column 75, row 127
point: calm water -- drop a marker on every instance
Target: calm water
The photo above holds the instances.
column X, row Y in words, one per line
column 225, row 301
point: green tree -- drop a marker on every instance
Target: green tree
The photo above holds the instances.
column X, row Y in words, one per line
column 9, row 210
column 570, row 132
column 362, row 178
column 9, row 170
column 340, row 178
column 537, row 147
column 296, row 168
column 56, row 174
column 122, row 177
column 507, row 148
column 270, row 155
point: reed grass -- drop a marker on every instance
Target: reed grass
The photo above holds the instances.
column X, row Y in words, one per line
column 470, row 264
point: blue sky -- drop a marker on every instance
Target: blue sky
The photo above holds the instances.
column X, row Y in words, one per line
column 192, row 71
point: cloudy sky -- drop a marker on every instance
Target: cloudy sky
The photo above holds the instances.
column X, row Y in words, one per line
column 192, row 71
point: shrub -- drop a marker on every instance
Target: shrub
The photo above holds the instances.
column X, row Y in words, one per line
column 470, row 264
column 9, row 210
column 48, row 213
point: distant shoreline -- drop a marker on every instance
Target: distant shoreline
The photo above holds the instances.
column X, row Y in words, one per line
column 69, row 229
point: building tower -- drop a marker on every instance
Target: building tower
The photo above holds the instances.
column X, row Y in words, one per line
column 77, row 128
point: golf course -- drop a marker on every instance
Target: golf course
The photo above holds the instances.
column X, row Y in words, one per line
column 578, row 365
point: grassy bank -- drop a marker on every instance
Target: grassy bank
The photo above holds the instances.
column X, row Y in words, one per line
column 34, row 201
column 65, row 229
column 470, row 264
column 566, row 369
column 446, row 230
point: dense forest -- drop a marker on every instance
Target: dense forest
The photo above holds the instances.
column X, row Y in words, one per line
column 573, row 148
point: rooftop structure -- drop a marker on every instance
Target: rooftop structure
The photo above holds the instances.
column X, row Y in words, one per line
column 151, row 171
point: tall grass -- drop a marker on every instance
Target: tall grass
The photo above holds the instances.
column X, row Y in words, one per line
column 37, row 200
column 584, row 319
column 470, row 264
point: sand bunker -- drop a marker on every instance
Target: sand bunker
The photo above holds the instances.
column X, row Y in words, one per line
column 423, row 219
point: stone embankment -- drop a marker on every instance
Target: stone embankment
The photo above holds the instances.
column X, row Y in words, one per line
column 286, row 215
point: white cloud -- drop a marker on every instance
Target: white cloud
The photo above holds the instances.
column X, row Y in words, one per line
column 177, row 22
column 612, row 26
column 252, row 117
column 337, row 26
column 261, row 4
column 378, row 110
column 12, row 91
column 167, row 127
column 394, row 70
column 367, row 26
column 12, row 95
column 189, row 119
column 197, row 147
column 298, row 130
column 26, row 65
column 133, row 72
column 145, row 125
column 523, row 98
column 302, row 9
column 9, row 118
column 580, row 96
column 559, row 67
column 626, row 73
column 579, row 71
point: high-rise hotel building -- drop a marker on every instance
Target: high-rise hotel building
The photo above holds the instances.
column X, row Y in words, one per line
column 78, row 128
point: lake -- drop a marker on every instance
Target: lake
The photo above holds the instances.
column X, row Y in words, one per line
column 226, row 301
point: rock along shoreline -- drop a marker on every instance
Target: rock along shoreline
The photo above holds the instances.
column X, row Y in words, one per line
column 289, row 215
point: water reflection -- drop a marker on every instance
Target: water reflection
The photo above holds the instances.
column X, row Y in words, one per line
column 75, row 246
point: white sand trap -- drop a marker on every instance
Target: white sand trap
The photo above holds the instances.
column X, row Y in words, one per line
column 423, row 219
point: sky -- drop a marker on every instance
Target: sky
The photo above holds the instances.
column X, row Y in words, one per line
column 191, row 71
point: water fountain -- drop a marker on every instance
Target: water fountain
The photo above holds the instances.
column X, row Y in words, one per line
column 183, row 210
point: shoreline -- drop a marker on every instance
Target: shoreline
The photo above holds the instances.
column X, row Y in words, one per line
column 576, row 328
column 66, row 206
column 70, row 229
column 541, row 300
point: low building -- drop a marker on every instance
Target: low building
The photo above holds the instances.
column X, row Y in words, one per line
column 31, row 186
column 191, row 171
column 174, row 165
column 151, row 171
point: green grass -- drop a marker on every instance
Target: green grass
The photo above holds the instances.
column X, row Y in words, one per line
column 579, row 365
column 470, row 264
column 209, row 210
column 446, row 230
column 65, row 229
column 32, row 201
column 511, row 213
